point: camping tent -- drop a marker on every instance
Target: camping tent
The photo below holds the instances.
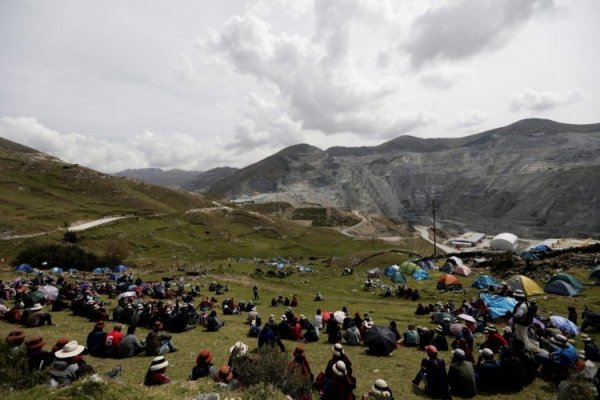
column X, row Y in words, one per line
column 391, row 270
column 504, row 241
column 398, row 278
column 420, row 275
column 527, row 285
column 24, row 268
column 568, row 278
column 462, row 270
column 561, row 288
column 448, row 267
column 57, row 270
column 448, row 282
column 120, row 269
column 455, row 260
column 409, row 267
column 498, row 306
column 595, row 274
column 484, row 282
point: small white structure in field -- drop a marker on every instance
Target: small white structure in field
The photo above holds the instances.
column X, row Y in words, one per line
column 505, row 242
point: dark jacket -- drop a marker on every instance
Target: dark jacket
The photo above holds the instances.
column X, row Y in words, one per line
column 461, row 377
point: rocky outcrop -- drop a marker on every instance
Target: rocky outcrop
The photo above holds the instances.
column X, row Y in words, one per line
column 536, row 178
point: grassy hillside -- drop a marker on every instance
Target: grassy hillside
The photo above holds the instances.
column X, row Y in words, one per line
column 41, row 193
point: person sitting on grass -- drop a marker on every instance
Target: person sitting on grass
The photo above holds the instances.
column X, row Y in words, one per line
column 461, row 375
column 340, row 385
column 379, row 391
column 213, row 323
column 71, row 353
column 130, row 344
column 158, row 342
column 37, row 359
column 411, row 336
column 433, row 372
column 204, row 366
column 156, row 372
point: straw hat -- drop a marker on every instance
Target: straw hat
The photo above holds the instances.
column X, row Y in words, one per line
column 71, row 349
column 238, row 349
column 339, row 368
column 16, row 337
column 337, row 349
column 36, row 307
column 158, row 363
column 518, row 294
column 439, row 329
column 560, row 340
column 380, row 388
column 487, row 352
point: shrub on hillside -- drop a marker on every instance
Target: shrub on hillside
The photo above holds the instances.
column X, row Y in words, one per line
column 14, row 370
column 65, row 256
column 273, row 371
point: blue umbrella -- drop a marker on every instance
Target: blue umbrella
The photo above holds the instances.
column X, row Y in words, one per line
column 564, row 325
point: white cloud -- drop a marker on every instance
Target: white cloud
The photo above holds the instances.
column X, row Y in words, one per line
column 147, row 149
column 441, row 78
column 460, row 29
column 468, row 118
column 534, row 100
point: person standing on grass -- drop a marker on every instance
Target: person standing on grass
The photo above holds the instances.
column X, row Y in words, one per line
column 255, row 292
column 522, row 318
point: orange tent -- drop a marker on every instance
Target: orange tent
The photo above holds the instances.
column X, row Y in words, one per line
column 448, row 281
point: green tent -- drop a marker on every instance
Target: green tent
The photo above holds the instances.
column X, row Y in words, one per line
column 409, row 267
column 568, row 278
column 398, row 278
column 595, row 274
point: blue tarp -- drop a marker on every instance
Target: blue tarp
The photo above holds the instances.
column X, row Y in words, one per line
column 484, row 282
column 498, row 306
column 24, row 268
column 420, row 275
column 390, row 271
column 529, row 256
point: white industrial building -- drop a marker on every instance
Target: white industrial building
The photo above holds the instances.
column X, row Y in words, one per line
column 505, row 242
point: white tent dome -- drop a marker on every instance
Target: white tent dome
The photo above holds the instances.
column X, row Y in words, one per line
column 504, row 241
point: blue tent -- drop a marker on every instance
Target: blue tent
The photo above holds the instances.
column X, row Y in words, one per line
column 57, row 270
column 570, row 279
column 561, row 288
column 120, row 269
column 420, row 275
column 498, row 306
column 24, row 268
column 390, row 271
column 484, row 282
column 102, row 270
column 398, row 278
column 595, row 272
column 528, row 256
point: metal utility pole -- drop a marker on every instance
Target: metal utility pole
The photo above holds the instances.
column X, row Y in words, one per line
column 434, row 231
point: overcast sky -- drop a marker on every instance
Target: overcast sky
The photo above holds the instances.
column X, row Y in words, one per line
column 198, row 84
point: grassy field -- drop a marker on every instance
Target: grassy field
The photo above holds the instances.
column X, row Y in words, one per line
column 397, row 369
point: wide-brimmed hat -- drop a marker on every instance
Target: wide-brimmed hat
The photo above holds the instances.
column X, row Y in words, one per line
column 586, row 338
column 225, row 373
column 439, row 329
column 380, row 388
column 459, row 353
column 71, row 349
column 36, row 307
column 36, row 342
column 283, row 317
column 581, row 354
column 60, row 343
column 367, row 324
column 205, row 356
column 337, row 349
column 158, row 363
column 16, row 337
column 487, row 352
column 518, row 294
column 560, row 340
column 339, row 368
column 240, row 349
